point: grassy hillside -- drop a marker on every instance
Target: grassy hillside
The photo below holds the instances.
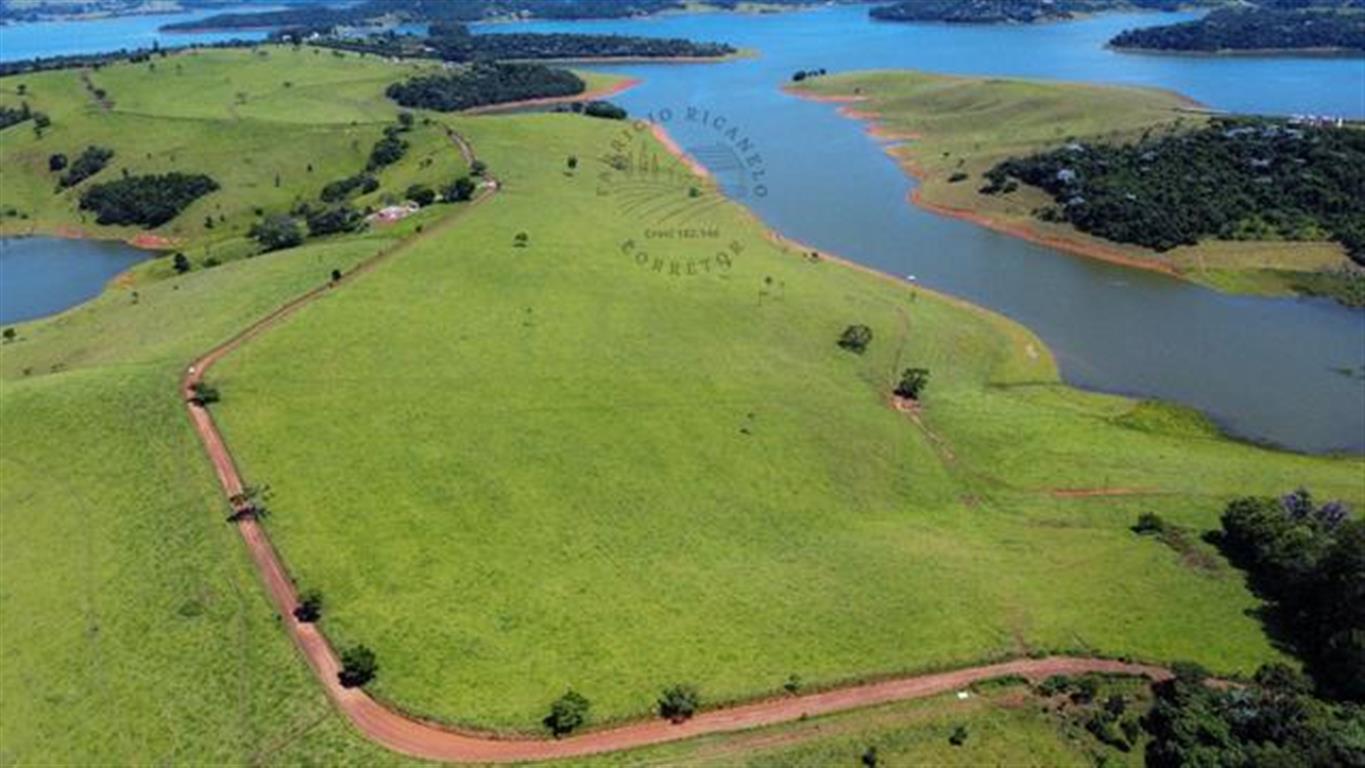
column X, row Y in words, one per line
column 957, row 128
column 271, row 125
column 528, row 468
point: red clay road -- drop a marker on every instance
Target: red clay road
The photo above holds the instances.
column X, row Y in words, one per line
column 430, row 741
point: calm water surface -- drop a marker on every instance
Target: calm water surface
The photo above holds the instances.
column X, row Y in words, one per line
column 43, row 275
column 1269, row 369
column 60, row 38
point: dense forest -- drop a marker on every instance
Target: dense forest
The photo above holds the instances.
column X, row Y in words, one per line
column 1233, row 179
column 437, row 11
column 146, row 200
column 453, row 42
column 1249, row 29
column 485, row 83
column 1012, row 11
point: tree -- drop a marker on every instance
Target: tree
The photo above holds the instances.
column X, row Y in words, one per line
column 959, row 736
column 1149, row 523
column 21, row 88
column 338, row 218
column 203, row 394
column 336, row 275
column 9, row 334
column 478, row 168
column 276, row 232
column 679, row 703
column 358, row 666
column 405, row 120
column 567, row 713
column 309, row 608
column 572, row 162
column 459, row 190
column 180, row 263
column 869, row 758
column 521, row 240
column 56, row 162
column 912, row 383
column 855, row 338
column 421, row 194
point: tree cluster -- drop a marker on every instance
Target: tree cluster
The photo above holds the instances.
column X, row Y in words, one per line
column 1274, row 721
column 333, row 219
column 1245, row 29
column 1234, row 179
column 149, row 201
column 453, row 42
column 1308, row 561
column 336, row 191
column 277, row 232
column 88, row 163
column 482, row 84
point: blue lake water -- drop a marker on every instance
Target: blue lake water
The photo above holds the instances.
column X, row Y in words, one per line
column 60, row 38
column 43, row 275
column 1269, row 369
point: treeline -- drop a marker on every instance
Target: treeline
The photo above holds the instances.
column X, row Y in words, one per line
column 482, row 84
column 438, row 11
column 1012, row 11
column 1233, row 179
column 1308, row 561
column 150, row 200
column 453, row 42
column 98, row 60
column 11, row 116
column 1249, row 29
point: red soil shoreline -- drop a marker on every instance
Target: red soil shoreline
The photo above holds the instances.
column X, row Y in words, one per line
column 1060, row 243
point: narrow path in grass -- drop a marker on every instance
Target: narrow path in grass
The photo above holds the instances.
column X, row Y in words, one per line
column 426, row 740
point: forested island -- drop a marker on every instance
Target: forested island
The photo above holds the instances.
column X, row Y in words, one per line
column 485, row 83
column 454, row 42
column 1277, row 26
column 1013, row 11
column 1233, row 179
column 444, row 11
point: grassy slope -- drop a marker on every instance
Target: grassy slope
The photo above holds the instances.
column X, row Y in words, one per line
column 528, row 468
column 242, row 117
column 970, row 124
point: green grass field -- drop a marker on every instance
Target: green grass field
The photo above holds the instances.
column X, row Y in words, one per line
column 515, row 469
column 969, row 124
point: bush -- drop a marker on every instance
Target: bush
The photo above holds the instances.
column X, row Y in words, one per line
column 421, row 194
column 855, row 338
column 277, row 232
column 203, row 394
column 478, row 168
column 149, row 201
column 1149, row 523
column 180, row 264
column 568, row 713
column 56, row 162
column 959, row 736
column 912, row 383
column 679, row 703
column 309, row 608
column 358, row 666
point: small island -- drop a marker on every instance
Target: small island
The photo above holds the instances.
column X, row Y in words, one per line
column 1276, row 26
column 1013, row 11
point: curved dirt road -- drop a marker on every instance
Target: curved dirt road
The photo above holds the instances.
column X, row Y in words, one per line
column 429, row 741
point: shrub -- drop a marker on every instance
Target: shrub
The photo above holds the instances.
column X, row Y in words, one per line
column 679, row 703
column 855, row 338
column 478, row 168
column 959, row 736
column 203, row 394
column 277, row 232
column 567, row 713
column 180, row 264
column 912, row 383
column 956, row 177
column 358, row 666
column 56, row 162
column 9, row 334
column 1149, row 523
column 309, row 608
column 869, row 758
column 1054, row 685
